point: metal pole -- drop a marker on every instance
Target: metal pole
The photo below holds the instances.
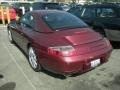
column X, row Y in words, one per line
column 8, row 14
column 2, row 14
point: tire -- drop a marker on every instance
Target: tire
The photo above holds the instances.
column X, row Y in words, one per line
column 10, row 36
column 33, row 61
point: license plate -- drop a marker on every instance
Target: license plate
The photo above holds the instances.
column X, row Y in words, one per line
column 95, row 63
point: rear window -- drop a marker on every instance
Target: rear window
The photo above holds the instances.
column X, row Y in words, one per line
column 106, row 12
column 63, row 21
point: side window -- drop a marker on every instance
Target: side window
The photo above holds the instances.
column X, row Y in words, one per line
column 88, row 12
column 105, row 12
column 27, row 21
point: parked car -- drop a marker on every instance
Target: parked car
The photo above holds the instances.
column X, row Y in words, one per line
column 64, row 6
column 12, row 13
column 4, row 3
column 75, row 9
column 59, row 42
column 45, row 6
column 104, row 18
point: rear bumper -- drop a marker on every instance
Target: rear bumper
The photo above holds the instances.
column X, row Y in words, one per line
column 74, row 64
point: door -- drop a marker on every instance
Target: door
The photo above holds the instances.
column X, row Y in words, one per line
column 27, row 24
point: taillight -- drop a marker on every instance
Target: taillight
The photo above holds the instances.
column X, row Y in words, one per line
column 62, row 51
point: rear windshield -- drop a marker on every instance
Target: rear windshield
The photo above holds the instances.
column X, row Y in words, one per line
column 63, row 21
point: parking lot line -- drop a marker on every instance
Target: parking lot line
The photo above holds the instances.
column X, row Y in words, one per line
column 13, row 59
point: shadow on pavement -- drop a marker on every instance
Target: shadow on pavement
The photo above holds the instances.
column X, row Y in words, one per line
column 8, row 86
column 54, row 75
column 1, row 76
column 62, row 77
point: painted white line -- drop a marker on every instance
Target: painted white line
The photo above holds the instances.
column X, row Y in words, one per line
column 13, row 59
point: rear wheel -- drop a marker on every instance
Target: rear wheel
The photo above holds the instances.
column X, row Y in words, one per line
column 33, row 61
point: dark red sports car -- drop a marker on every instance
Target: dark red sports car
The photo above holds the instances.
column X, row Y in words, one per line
column 59, row 42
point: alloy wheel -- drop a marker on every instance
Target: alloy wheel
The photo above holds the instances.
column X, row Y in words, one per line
column 32, row 58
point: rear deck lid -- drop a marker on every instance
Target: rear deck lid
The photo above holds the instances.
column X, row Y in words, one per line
column 83, row 38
